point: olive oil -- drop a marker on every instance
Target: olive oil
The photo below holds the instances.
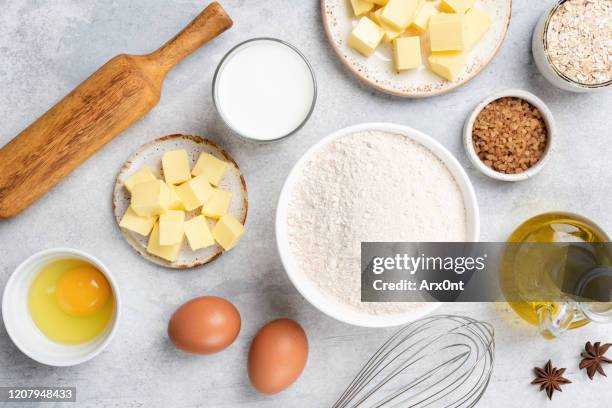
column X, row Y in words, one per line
column 528, row 276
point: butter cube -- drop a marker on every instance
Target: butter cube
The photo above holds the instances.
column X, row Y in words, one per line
column 399, row 13
column 175, row 202
column 411, row 31
column 379, row 2
column 361, row 7
column 150, row 198
column 167, row 252
column 447, row 32
column 134, row 222
column 176, row 167
column 456, row 6
column 447, row 64
column 218, row 204
column 390, row 32
column 198, row 233
column 227, row 232
column 477, row 23
column 211, row 166
column 171, row 227
column 195, row 192
column 422, row 16
column 407, row 53
column 366, row 36
column 141, row 175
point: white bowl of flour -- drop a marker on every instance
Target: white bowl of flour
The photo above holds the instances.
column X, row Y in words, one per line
column 369, row 182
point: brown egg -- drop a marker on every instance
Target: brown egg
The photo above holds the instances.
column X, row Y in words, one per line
column 277, row 356
column 204, row 325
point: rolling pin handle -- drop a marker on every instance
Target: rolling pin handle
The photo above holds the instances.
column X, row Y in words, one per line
column 207, row 25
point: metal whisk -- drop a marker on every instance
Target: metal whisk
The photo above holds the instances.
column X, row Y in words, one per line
column 439, row 361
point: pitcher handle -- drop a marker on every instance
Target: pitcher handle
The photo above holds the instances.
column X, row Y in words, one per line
column 555, row 318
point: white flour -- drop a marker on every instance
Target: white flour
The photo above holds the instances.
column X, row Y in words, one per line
column 369, row 186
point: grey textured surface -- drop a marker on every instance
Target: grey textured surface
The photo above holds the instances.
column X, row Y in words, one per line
column 47, row 47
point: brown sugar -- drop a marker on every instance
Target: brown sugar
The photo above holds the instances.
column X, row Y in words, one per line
column 509, row 135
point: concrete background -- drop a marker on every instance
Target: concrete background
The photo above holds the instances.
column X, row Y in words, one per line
column 48, row 47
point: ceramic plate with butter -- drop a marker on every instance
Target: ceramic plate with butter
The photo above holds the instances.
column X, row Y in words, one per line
column 150, row 155
column 378, row 69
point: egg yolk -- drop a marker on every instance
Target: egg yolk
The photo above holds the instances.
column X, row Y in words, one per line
column 82, row 291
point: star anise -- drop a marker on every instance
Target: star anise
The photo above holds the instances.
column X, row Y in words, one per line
column 550, row 378
column 593, row 357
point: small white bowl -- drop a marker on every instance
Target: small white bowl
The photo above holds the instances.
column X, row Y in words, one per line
column 217, row 79
column 23, row 331
column 306, row 287
column 539, row 47
column 550, row 127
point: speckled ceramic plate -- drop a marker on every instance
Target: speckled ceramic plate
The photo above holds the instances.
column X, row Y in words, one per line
column 378, row 71
column 150, row 154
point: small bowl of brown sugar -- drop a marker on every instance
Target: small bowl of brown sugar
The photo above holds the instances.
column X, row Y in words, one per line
column 509, row 135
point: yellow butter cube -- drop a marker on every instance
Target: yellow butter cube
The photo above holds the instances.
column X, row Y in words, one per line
column 141, row 175
column 167, row 252
column 411, row 32
column 150, row 198
column 175, row 201
column 218, row 204
column 407, row 53
column 366, row 36
column 195, row 192
column 447, row 32
column 422, row 16
column 176, row 167
column 477, row 23
column 456, row 6
column 211, row 166
column 379, row 2
column 390, row 32
column 399, row 13
column 171, row 227
column 198, row 233
column 448, row 65
column 361, row 7
column 228, row 231
column 134, row 222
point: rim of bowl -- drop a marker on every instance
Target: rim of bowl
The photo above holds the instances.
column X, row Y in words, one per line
column 107, row 274
column 218, row 71
column 314, row 296
column 549, row 15
column 550, row 128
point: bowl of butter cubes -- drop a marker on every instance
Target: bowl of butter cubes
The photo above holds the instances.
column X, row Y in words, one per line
column 181, row 201
column 416, row 48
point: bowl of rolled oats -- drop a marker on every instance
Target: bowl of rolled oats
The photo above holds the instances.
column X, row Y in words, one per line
column 509, row 135
column 571, row 45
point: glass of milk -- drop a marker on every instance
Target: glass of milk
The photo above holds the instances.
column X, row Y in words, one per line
column 264, row 89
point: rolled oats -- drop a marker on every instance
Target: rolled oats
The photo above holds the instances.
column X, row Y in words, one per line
column 579, row 41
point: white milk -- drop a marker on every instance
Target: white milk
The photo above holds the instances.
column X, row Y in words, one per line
column 264, row 90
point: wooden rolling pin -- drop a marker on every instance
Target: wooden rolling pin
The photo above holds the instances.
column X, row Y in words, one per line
column 112, row 99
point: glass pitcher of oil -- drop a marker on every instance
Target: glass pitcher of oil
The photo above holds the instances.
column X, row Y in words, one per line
column 543, row 256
